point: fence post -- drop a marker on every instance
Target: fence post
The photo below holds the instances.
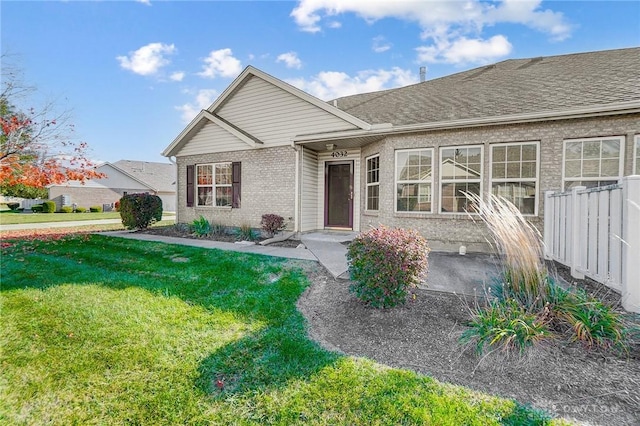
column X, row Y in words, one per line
column 577, row 233
column 548, row 225
column 631, row 243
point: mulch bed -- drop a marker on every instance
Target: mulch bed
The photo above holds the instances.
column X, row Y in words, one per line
column 173, row 231
column 563, row 378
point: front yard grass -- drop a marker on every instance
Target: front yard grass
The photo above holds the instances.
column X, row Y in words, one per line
column 99, row 330
column 14, row 218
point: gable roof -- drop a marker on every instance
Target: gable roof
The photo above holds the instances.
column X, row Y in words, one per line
column 160, row 177
column 510, row 87
column 211, row 113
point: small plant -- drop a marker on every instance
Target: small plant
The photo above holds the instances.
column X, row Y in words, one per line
column 385, row 264
column 201, row 227
column 95, row 209
column 49, row 207
column 116, row 206
column 245, row 233
column 13, row 206
column 507, row 325
column 272, row 223
column 181, row 227
column 81, row 209
column 139, row 211
column 218, row 229
column 36, row 208
column 66, row 209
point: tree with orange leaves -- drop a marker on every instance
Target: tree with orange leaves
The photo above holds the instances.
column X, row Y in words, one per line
column 36, row 149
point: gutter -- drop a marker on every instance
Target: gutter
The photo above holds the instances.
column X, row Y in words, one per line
column 628, row 107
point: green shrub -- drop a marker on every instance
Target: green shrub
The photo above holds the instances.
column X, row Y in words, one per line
column 201, row 227
column 218, row 229
column 95, row 209
column 385, row 264
column 272, row 223
column 245, row 233
column 66, row 209
column 507, row 325
column 139, row 211
column 13, row 206
column 49, row 207
column 81, row 209
column 36, row 208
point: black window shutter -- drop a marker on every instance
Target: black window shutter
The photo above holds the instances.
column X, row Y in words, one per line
column 190, row 186
column 235, row 185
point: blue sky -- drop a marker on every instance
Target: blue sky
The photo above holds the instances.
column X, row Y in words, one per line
column 134, row 73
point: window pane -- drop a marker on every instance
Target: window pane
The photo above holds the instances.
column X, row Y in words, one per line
column 609, row 167
column 521, row 194
column 205, row 196
column 223, row 196
column 401, row 163
column 573, row 150
column 513, row 170
column 223, row 174
column 513, row 153
column 572, row 168
column 529, row 170
column 373, row 197
column 591, row 168
column 591, row 149
column 205, row 175
column 611, row 149
column 499, row 171
column 529, row 152
column 499, row 153
column 453, row 198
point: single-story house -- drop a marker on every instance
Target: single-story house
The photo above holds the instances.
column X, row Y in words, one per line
column 403, row 157
column 121, row 178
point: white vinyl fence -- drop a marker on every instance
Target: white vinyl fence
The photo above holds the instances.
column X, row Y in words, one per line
column 25, row 203
column 596, row 232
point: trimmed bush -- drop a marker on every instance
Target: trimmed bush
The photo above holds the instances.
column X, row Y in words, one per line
column 201, row 227
column 36, row 208
column 139, row 211
column 385, row 263
column 49, row 207
column 272, row 223
column 66, row 209
column 81, row 209
column 95, row 209
column 13, row 206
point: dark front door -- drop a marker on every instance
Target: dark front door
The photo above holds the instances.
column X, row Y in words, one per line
column 338, row 205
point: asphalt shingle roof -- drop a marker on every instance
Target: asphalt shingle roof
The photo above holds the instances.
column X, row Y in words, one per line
column 161, row 176
column 509, row 87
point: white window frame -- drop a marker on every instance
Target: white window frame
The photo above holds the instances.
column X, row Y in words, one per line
column 536, row 180
column 636, row 156
column 371, row 184
column 213, row 184
column 598, row 178
column 397, row 182
column 447, row 181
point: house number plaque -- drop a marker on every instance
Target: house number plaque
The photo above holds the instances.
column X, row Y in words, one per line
column 338, row 154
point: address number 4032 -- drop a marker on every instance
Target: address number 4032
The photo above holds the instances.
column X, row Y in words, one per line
column 338, row 154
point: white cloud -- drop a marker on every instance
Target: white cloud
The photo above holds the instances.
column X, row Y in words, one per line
column 177, row 76
column 443, row 24
column 148, row 59
column 221, row 63
column 290, row 59
column 147, row 2
column 380, row 44
column 204, row 98
column 464, row 50
column 328, row 85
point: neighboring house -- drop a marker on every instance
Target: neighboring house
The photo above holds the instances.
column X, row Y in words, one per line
column 122, row 177
column 404, row 157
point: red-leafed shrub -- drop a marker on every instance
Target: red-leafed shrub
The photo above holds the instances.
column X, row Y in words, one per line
column 385, row 263
column 116, row 206
column 139, row 211
column 272, row 223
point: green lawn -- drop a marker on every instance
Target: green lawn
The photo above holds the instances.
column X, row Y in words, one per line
column 99, row 330
column 11, row 218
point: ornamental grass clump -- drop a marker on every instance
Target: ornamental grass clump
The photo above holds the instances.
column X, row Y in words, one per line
column 385, row 263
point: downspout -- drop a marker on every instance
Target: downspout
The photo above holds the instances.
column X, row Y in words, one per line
column 297, row 207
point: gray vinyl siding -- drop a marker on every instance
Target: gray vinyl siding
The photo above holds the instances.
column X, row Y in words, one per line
column 309, row 174
column 212, row 138
column 274, row 116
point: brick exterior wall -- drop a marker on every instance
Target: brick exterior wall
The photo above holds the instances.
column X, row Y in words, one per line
column 448, row 232
column 87, row 196
column 267, row 186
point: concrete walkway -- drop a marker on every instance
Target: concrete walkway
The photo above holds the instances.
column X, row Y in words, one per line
column 67, row 224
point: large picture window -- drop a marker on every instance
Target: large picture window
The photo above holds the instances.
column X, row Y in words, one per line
column 592, row 162
column 373, row 183
column 514, row 174
column 414, row 180
column 460, row 172
column 213, row 183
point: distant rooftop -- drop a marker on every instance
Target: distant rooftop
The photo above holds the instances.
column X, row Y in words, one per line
column 161, row 176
